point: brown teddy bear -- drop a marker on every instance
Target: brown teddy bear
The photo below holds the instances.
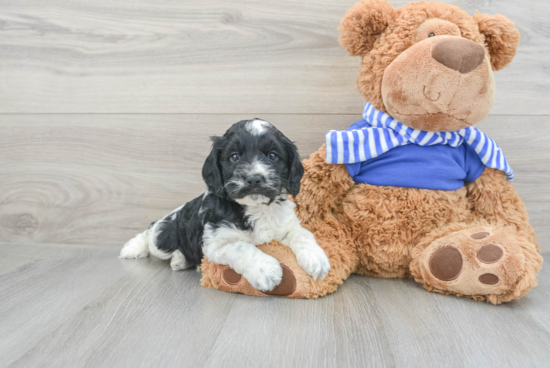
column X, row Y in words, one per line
column 413, row 190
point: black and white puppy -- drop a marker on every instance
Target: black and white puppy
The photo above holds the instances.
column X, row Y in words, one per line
column 249, row 173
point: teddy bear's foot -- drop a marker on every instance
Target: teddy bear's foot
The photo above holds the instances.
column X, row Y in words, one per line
column 483, row 263
column 295, row 282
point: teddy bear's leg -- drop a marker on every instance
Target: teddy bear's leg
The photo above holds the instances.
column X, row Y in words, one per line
column 494, row 199
column 479, row 261
column 296, row 282
column 495, row 257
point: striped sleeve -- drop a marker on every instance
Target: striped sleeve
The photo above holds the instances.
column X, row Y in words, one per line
column 358, row 145
column 488, row 150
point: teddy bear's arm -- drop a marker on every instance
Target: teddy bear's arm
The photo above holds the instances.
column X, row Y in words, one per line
column 495, row 200
column 323, row 188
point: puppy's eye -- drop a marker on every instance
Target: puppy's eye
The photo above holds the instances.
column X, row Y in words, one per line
column 431, row 34
column 273, row 156
column 234, row 158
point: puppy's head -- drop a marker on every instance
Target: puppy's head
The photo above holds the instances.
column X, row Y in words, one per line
column 251, row 161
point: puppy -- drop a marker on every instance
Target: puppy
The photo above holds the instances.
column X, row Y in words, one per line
column 249, row 173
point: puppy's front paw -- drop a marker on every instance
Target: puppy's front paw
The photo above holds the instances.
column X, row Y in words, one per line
column 264, row 273
column 314, row 261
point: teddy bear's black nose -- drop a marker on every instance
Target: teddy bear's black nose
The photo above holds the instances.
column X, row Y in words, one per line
column 458, row 54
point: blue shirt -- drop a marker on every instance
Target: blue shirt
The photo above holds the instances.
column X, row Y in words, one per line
column 439, row 167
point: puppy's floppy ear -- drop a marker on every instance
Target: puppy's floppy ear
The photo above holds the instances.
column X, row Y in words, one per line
column 501, row 38
column 363, row 24
column 295, row 168
column 212, row 171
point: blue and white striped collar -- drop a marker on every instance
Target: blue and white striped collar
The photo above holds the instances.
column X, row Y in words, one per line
column 379, row 119
column 383, row 133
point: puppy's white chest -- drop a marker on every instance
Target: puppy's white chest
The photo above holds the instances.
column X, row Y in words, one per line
column 264, row 233
column 271, row 222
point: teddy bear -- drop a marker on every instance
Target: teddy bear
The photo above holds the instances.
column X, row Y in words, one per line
column 414, row 190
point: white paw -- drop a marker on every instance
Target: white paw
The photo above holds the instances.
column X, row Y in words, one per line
column 314, row 261
column 178, row 261
column 264, row 273
column 137, row 247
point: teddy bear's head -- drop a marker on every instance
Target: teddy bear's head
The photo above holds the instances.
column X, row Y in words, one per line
column 428, row 64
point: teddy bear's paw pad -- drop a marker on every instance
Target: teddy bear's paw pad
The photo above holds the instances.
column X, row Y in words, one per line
column 230, row 276
column 285, row 288
column 480, row 235
column 473, row 262
column 490, row 253
column 287, row 285
column 489, row 279
column 446, row 263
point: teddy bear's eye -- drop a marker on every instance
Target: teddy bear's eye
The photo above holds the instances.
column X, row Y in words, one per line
column 431, row 34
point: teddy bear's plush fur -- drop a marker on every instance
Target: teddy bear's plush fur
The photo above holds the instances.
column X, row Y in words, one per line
column 474, row 242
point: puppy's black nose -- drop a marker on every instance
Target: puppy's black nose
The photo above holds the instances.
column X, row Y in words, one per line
column 254, row 180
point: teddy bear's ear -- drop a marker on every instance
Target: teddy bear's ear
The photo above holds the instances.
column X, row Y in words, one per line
column 363, row 24
column 501, row 37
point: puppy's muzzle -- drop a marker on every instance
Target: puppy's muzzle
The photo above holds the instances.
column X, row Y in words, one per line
column 254, row 181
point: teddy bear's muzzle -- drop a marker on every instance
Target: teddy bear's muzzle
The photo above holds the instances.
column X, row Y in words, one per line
column 442, row 83
column 458, row 54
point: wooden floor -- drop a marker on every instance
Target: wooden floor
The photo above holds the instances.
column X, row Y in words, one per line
column 106, row 106
column 105, row 112
column 81, row 306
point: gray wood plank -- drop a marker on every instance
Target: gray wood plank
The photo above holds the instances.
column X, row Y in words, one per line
column 87, row 308
column 40, row 295
column 537, row 303
column 124, row 170
column 89, row 179
column 15, row 255
column 151, row 316
column 341, row 330
column 433, row 330
column 245, row 56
